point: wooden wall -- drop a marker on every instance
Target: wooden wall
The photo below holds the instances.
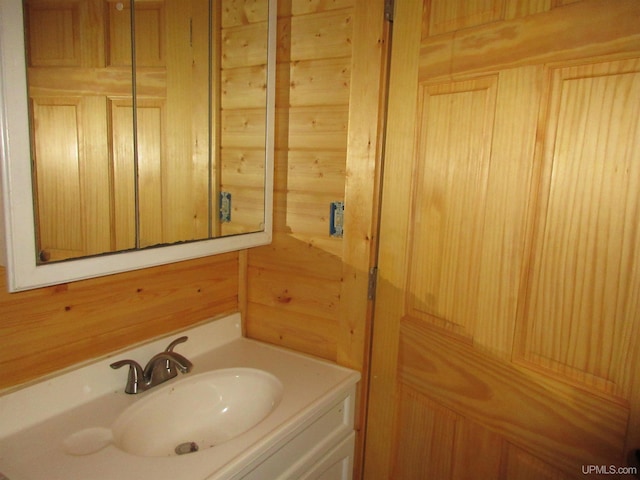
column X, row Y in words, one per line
column 327, row 150
column 308, row 290
column 244, row 27
column 51, row 328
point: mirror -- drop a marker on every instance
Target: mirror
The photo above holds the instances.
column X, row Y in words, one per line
column 151, row 133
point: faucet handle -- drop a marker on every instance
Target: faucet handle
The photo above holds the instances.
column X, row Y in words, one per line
column 169, row 366
column 136, row 375
column 177, row 341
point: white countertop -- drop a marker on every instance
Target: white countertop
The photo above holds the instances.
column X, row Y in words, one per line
column 36, row 420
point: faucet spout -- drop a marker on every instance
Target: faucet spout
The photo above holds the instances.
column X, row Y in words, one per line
column 169, row 359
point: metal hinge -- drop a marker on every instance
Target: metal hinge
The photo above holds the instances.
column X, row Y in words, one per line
column 388, row 10
column 373, row 282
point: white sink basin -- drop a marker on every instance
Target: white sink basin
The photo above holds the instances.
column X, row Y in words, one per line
column 197, row 412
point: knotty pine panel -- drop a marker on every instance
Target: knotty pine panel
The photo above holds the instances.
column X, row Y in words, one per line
column 243, row 87
column 320, row 82
column 305, row 295
column 301, row 7
column 300, row 273
column 244, row 46
column 243, row 12
column 299, row 255
column 321, row 127
column 310, row 334
column 304, row 212
column 243, row 167
column 243, row 128
column 247, row 212
column 321, row 35
column 314, row 171
column 51, row 328
column 242, row 120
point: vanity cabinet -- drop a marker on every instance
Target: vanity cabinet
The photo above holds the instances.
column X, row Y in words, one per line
column 321, row 450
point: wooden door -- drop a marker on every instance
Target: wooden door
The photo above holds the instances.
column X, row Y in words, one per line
column 507, row 314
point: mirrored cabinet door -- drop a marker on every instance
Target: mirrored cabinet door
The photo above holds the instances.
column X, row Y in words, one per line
column 79, row 74
column 150, row 124
column 126, row 114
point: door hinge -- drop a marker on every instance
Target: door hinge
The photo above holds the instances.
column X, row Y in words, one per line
column 388, row 10
column 373, row 283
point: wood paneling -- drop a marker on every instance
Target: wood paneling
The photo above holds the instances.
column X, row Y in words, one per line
column 243, row 83
column 308, row 290
column 48, row 329
column 322, row 35
column 294, row 284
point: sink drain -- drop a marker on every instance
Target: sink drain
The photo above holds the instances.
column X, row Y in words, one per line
column 186, row 447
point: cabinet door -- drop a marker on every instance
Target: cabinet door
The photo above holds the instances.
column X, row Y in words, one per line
column 336, row 464
column 97, row 190
column 69, row 88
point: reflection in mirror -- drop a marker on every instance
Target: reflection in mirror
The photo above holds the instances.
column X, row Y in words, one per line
column 147, row 124
column 126, row 129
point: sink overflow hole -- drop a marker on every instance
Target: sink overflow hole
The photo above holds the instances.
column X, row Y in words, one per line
column 186, row 447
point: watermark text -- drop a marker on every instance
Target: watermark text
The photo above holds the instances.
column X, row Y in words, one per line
column 608, row 470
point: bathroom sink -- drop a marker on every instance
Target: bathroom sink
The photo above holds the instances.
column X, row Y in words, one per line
column 197, row 412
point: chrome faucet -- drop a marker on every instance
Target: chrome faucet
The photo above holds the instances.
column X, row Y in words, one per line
column 162, row 367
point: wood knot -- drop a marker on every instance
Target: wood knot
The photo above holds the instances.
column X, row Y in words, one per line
column 284, row 298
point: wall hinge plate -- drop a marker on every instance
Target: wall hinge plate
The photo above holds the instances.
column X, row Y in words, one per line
column 373, row 283
column 388, row 10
